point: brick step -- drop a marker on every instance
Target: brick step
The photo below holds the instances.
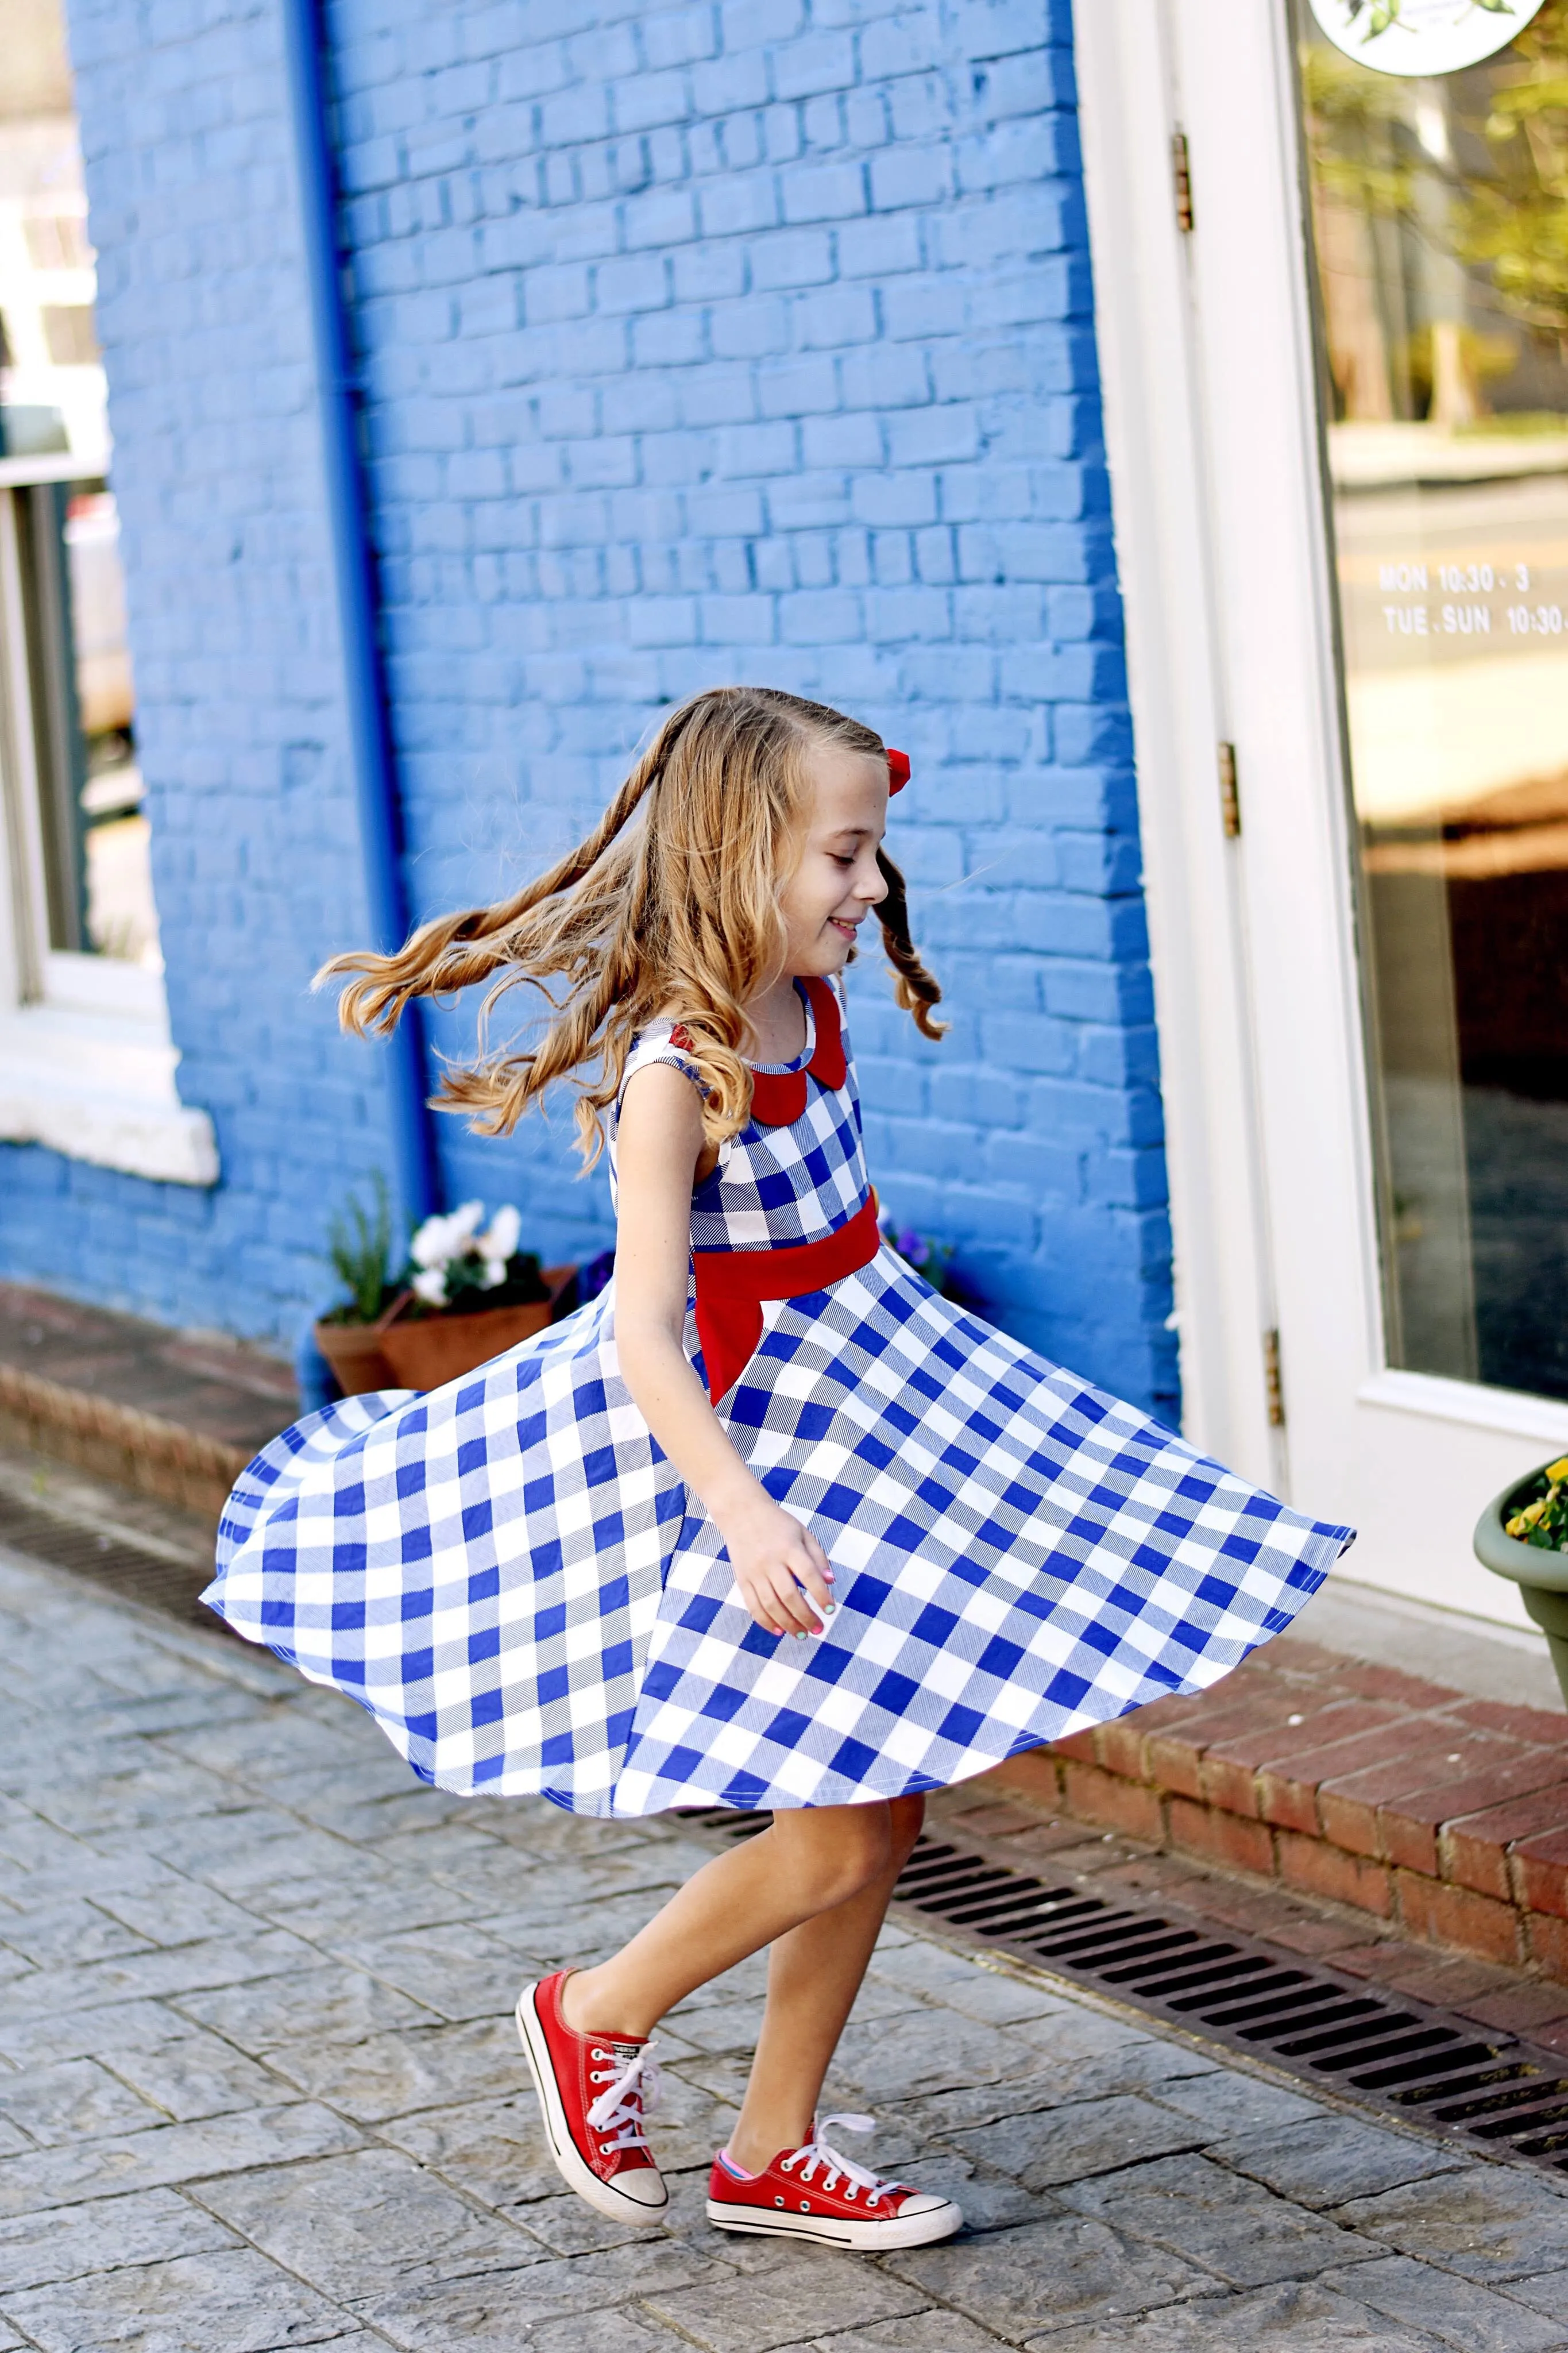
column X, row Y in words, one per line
column 176, row 1415
column 1439, row 1814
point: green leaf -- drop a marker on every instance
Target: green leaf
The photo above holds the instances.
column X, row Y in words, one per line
column 358, row 1245
column 1495, row 8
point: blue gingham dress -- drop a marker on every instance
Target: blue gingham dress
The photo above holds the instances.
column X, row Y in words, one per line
column 514, row 1581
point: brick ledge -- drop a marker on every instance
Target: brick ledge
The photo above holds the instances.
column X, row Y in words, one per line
column 119, row 1441
column 1441, row 1814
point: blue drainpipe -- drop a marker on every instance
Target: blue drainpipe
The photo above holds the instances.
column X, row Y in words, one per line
column 353, row 578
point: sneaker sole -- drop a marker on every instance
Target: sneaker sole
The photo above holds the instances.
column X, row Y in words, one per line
column 824, row 2231
column 569, row 2163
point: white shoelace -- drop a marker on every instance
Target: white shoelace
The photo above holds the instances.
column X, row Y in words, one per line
column 630, row 2094
column 820, row 2151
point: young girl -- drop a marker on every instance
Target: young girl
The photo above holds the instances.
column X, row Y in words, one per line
column 767, row 1524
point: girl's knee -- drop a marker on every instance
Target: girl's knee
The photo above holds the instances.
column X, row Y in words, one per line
column 842, row 1850
column 906, row 1820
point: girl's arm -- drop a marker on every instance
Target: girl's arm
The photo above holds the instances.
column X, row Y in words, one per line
column 658, row 1143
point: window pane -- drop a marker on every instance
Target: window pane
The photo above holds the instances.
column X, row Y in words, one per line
column 1437, row 208
column 96, row 877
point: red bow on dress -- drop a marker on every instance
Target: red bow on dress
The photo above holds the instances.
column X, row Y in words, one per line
column 898, row 771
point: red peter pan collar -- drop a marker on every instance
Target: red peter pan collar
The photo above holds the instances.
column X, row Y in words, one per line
column 778, row 1097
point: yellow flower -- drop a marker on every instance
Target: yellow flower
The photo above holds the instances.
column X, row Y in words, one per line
column 1558, row 1470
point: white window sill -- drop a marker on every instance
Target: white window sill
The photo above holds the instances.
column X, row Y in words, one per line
column 98, row 1085
column 1510, row 1411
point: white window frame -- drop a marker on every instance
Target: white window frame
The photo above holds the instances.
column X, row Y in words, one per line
column 87, row 1062
column 1206, row 365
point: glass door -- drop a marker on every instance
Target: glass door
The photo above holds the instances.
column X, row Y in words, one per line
column 1438, row 215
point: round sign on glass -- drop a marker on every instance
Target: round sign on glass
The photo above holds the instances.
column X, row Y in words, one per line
column 1422, row 36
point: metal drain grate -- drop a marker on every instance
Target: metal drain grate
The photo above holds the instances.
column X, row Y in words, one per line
column 1322, row 2027
column 158, row 1580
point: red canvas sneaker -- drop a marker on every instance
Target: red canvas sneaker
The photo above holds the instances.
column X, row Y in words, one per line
column 594, row 2090
column 815, row 2193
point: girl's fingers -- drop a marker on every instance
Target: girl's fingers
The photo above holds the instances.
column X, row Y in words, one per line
column 810, row 1572
column 792, row 1604
column 762, row 1607
column 791, row 1593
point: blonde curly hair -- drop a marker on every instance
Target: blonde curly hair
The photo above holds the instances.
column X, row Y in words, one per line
column 676, row 913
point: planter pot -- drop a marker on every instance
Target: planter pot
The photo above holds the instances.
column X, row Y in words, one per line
column 1541, row 1576
column 354, row 1352
column 424, row 1352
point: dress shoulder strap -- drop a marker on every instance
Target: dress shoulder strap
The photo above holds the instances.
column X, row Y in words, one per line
column 661, row 1041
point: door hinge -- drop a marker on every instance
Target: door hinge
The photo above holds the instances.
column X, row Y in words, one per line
column 1229, row 796
column 1274, row 1388
column 1181, row 173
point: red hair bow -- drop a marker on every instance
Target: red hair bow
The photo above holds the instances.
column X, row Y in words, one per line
column 898, row 771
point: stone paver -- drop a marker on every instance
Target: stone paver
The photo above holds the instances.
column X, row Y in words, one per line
column 259, row 2088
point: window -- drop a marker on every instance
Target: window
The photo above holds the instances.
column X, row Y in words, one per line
column 1437, row 208
column 85, row 1062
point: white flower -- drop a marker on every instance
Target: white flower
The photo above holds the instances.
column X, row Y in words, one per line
column 431, row 1245
column 505, row 1233
column 431, row 1286
column 440, row 1239
column 493, row 1272
column 466, row 1221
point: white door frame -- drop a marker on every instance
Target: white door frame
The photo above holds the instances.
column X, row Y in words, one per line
column 1206, row 366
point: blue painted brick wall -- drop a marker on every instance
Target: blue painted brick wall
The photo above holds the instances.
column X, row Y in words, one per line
column 754, row 340
column 710, row 341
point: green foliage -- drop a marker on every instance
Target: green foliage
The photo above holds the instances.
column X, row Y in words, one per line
column 469, row 1294
column 1512, row 222
column 1487, row 357
column 358, row 1247
column 1515, row 224
column 1353, row 117
column 1540, row 1516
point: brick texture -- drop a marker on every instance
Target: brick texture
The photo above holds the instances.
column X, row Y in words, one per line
column 1444, row 1817
column 697, row 345
column 757, row 344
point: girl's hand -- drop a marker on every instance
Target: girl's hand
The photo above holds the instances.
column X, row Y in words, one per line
column 780, row 1568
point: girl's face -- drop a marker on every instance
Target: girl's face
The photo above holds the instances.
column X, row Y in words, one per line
column 838, row 880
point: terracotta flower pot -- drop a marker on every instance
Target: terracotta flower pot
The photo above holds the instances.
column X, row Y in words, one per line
column 354, row 1352
column 1541, row 1576
column 424, row 1352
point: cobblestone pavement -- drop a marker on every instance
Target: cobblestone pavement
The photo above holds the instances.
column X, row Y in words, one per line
column 259, row 2085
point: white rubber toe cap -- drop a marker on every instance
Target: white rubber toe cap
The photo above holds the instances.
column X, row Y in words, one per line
column 643, row 2187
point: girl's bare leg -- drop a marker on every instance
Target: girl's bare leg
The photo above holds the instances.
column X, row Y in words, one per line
column 814, row 1975
column 806, row 1863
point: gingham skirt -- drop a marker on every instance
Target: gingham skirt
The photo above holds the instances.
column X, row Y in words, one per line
column 509, row 1575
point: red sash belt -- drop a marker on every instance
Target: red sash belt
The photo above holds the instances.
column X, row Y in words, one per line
column 733, row 1284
